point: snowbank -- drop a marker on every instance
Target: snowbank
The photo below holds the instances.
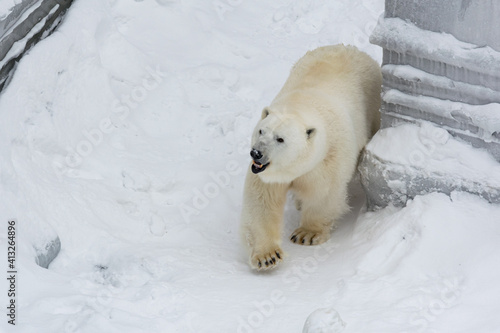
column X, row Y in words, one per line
column 422, row 268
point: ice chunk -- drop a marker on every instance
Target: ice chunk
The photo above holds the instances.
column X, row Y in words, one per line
column 46, row 253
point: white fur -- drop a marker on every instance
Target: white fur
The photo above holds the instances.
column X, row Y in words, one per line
column 334, row 92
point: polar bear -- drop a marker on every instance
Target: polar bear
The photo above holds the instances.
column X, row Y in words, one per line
column 308, row 141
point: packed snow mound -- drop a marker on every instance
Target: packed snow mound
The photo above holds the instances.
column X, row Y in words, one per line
column 428, row 260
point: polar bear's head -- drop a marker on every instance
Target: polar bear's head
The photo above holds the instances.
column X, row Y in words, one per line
column 286, row 146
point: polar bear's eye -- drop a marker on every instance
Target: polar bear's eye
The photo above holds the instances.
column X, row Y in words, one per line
column 280, row 140
column 260, row 132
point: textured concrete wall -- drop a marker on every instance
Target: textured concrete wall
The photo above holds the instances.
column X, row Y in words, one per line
column 469, row 21
column 468, row 73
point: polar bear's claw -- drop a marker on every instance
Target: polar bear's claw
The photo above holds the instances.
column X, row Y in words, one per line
column 309, row 237
column 266, row 260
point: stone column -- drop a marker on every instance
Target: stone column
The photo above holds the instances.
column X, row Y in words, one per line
column 441, row 64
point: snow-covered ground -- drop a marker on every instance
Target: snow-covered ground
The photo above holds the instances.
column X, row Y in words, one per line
column 126, row 133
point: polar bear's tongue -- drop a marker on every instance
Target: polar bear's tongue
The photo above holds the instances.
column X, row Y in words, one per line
column 256, row 167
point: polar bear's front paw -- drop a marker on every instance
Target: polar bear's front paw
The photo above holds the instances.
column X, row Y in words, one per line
column 306, row 236
column 267, row 259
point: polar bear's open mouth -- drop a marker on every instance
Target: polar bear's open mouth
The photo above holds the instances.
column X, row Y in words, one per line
column 256, row 167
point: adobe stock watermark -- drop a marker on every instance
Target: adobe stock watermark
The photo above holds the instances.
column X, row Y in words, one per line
column 447, row 298
column 202, row 196
column 121, row 109
column 293, row 279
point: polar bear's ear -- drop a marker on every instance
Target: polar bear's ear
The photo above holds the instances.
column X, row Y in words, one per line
column 310, row 132
column 265, row 113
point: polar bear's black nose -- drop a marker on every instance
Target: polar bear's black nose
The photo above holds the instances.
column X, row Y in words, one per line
column 256, row 155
